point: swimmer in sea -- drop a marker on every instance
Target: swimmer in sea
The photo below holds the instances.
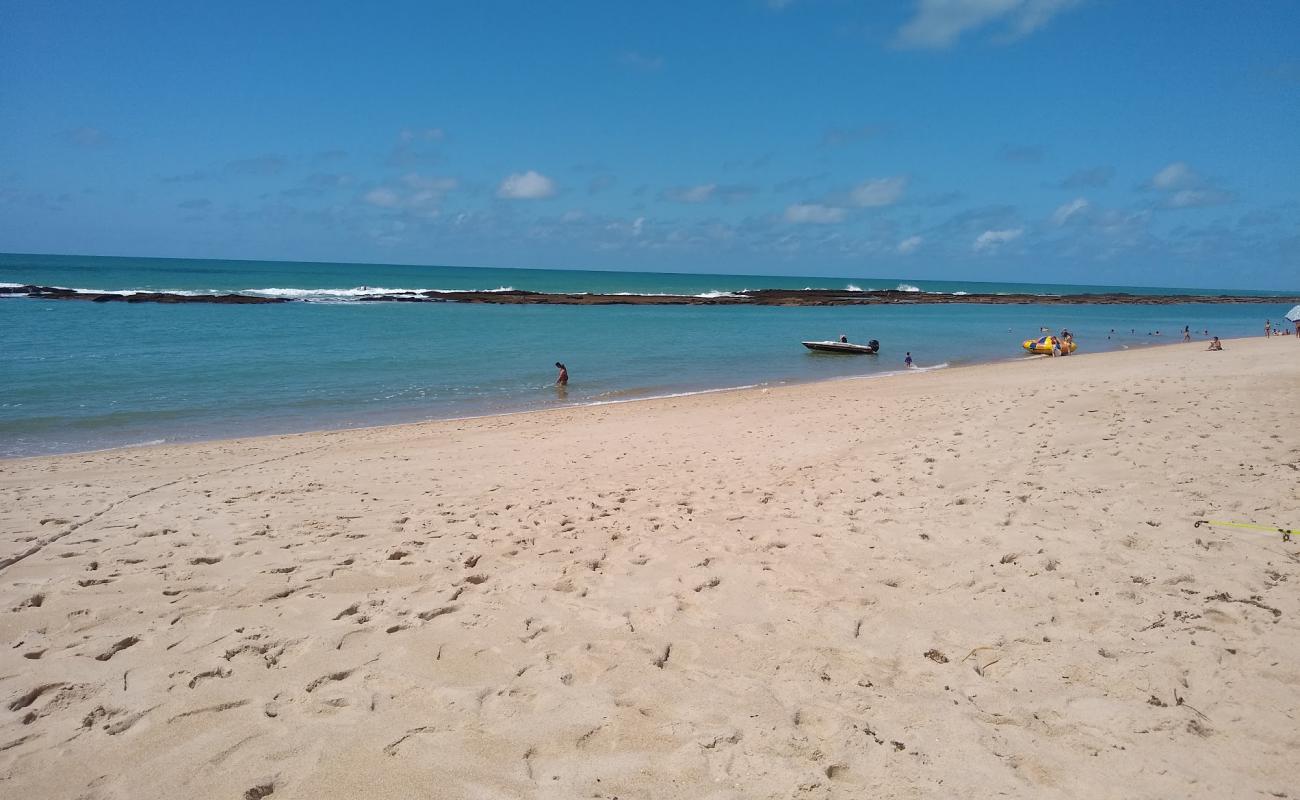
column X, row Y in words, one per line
column 563, row 378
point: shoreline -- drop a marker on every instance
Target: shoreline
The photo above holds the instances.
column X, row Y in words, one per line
column 754, row 387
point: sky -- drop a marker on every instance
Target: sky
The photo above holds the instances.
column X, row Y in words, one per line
column 1151, row 142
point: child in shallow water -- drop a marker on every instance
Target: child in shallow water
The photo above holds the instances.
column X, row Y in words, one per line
column 908, row 361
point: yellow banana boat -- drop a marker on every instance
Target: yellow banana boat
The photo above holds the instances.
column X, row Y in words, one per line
column 1044, row 345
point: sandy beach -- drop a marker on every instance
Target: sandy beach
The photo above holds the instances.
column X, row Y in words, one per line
column 973, row 582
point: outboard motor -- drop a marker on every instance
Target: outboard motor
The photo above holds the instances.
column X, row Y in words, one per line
column 874, row 345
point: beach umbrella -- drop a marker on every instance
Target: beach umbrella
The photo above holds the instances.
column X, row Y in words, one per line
column 1294, row 314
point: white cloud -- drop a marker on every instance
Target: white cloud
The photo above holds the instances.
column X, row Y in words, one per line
column 940, row 23
column 1185, row 188
column 693, row 194
column 1063, row 214
column 418, row 193
column 813, row 213
column 383, row 197
column 991, row 240
column 910, row 245
column 1177, row 175
column 879, row 192
column 709, row 192
column 530, row 185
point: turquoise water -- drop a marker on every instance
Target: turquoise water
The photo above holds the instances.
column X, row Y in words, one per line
column 81, row 376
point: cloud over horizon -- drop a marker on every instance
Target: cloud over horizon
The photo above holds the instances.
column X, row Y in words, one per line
column 878, row 192
column 530, row 185
column 813, row 213
column 1184, row 187
column 991, row 240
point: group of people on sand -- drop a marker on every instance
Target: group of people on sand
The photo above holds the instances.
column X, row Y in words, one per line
column 1281, row 329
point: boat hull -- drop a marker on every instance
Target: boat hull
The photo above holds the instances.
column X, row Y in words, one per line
column 844, row 348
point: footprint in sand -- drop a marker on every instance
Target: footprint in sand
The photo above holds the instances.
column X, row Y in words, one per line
column 118, row 647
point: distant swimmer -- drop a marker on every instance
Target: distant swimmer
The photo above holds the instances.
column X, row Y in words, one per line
column 1216, row 344
column 844, row 339
column 908, row 361
column 563, row 378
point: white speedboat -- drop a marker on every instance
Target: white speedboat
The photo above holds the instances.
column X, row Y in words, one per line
column 870, row 348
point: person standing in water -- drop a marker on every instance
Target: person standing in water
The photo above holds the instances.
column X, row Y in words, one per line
column 563, row 378
column 1187, row 333
column 908, row 361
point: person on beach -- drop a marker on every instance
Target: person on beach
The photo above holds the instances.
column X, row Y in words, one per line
column 1216, row 344
column 1187, row 333
column 563, row 378
column 1268, row 327
column 907, row 362
column 1056, row 347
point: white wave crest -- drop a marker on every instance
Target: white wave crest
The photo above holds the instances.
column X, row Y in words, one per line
column 852, row 288
column 906, row 287
column 326, row 294
column 342, row 295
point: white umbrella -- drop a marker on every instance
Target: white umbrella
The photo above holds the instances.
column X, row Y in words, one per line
column 1294, row 314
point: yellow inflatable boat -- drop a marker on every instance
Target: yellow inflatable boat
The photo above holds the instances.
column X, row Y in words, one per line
column 1044, row 345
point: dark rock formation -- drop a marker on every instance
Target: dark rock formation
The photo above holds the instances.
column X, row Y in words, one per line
column 814, row 297
column 57, row 293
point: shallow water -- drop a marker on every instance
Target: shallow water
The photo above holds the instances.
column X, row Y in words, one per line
column 80, row 376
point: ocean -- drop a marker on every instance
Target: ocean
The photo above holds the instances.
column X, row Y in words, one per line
column 78, row 376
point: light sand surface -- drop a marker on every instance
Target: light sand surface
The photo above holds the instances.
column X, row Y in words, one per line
column 976, row 582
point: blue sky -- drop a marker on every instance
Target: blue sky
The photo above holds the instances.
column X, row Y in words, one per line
column 1082, row 141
